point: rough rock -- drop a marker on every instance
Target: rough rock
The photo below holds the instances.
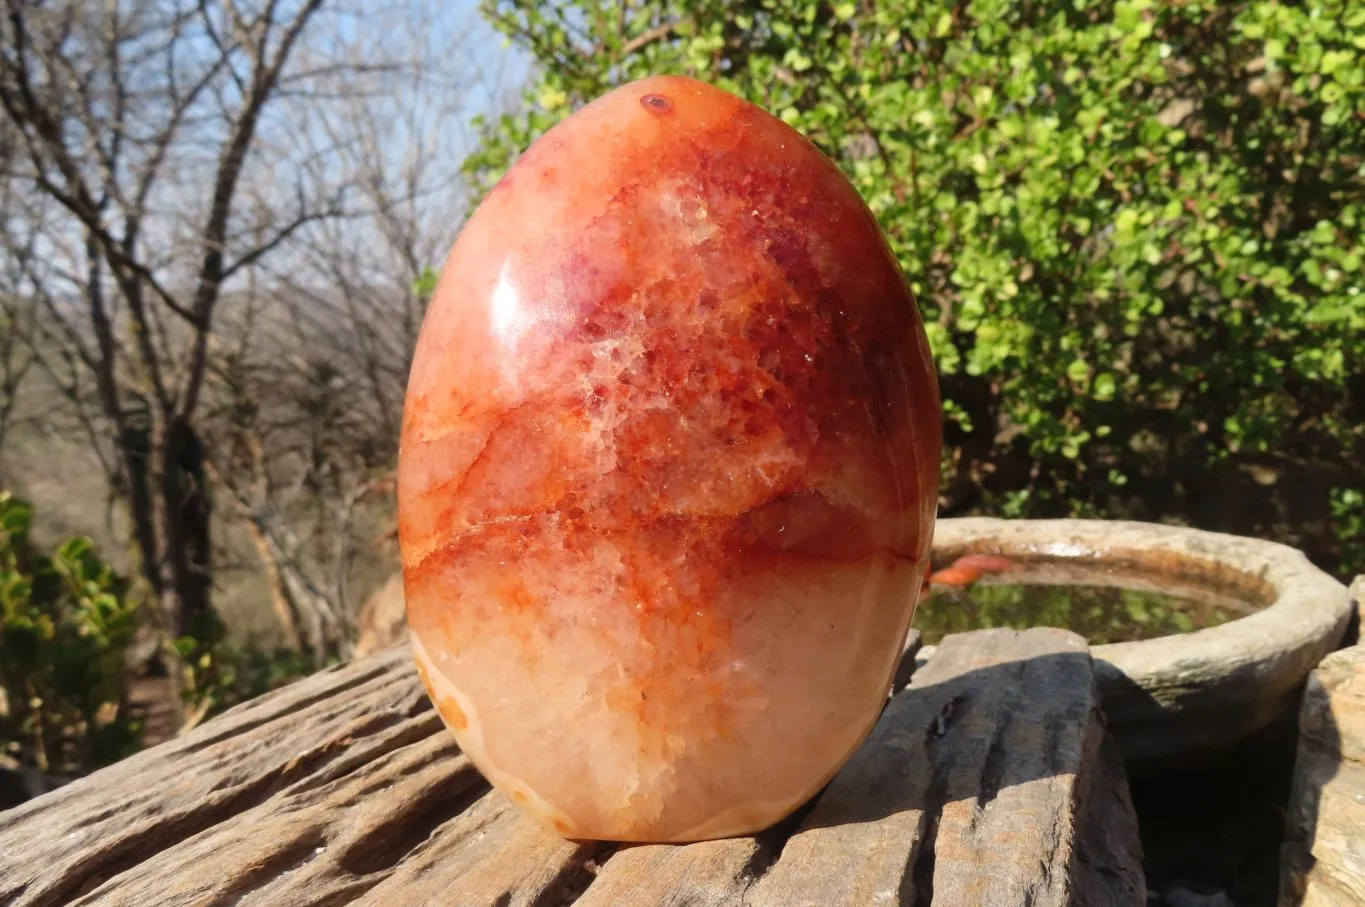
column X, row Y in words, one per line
column 1323, row 861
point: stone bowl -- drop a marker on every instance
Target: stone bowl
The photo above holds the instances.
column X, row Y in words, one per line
column 1177, row 698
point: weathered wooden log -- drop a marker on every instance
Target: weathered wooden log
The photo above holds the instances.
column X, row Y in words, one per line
column 989, row 780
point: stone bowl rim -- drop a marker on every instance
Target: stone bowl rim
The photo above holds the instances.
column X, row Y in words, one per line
column 1236, row 665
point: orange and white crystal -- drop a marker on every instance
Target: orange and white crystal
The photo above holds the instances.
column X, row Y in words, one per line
column 668, row 471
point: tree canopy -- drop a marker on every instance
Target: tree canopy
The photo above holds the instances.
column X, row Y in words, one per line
column 1134, row 227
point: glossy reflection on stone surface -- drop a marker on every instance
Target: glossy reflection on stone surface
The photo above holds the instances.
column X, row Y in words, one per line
column 668, row 471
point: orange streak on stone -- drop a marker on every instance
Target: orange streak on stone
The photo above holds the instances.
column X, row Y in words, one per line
column 970, row 568
column 955, row 576
column 454, row 715
column 987, row 563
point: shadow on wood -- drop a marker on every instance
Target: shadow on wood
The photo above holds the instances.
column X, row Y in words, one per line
column 988, row 781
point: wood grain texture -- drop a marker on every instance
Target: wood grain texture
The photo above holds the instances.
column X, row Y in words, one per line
column 970, row 790
column 989, row 780
column 709, row 874
column 95, row 833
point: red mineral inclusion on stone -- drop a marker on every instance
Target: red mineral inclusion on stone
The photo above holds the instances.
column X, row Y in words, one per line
column 668, row 471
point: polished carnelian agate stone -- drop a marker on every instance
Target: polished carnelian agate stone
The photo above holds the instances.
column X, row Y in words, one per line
column 668, row 473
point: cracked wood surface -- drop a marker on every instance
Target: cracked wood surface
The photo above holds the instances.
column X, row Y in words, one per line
column 988, row 781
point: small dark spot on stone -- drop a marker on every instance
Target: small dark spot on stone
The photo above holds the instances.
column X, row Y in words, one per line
column 656, row 103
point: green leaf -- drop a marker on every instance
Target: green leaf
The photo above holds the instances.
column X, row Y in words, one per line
column 1327, row 312
column 1104, row 387
column 425, row 285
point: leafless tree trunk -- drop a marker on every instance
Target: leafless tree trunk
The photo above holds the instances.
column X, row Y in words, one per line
column 222, row 212
column 317, row 447
column 101, row 99
column 17, row 316
column 16, row 362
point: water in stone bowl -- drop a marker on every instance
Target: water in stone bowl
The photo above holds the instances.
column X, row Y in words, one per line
column 1103, row 604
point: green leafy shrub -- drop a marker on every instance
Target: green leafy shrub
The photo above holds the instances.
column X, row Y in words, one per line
column 66, row 621
column 1134, row 227
column 221, row 673
column 1348, row 512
